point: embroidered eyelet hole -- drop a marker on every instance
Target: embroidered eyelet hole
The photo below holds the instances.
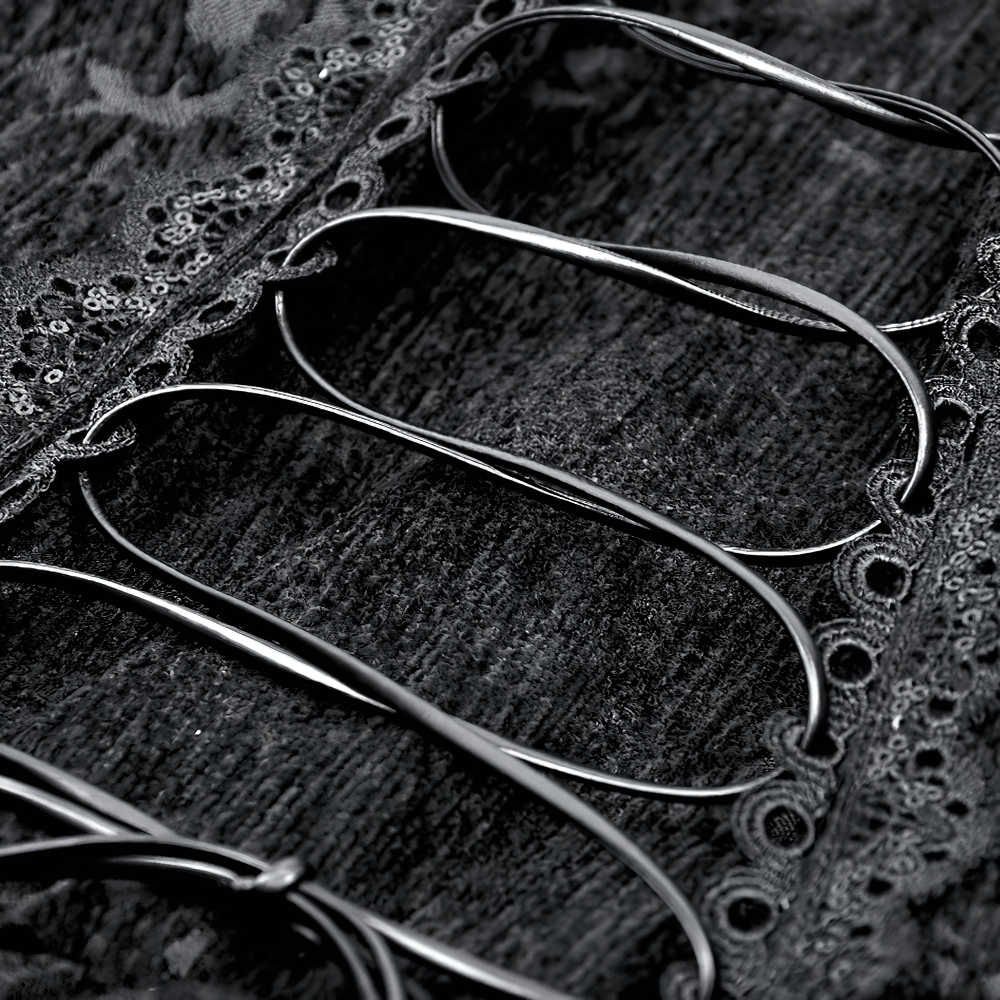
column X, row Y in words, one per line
column 942, row 707
column 124, row 282
column 742, row 907
column 983, row 340
column 957, row 808
column 874, row 575
column 392, row 128
column 491, row 11
column 785, row 828
column 773, row 823
column 952, row 420
column 878, row 887
column 929, row 758
column 826, row 748
column 887, row 578
column 280, row 138
column 750, row 916
column 850, row 663
column 217, row 311
column 341, row 196
column 272, row 89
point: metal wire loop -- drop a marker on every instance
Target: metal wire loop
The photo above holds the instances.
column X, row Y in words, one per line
column 639, row 267
column 321, row 664
column 241, row 615
column 705, row 50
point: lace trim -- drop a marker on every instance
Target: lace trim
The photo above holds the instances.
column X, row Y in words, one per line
column 895, row 817
column 81, row 326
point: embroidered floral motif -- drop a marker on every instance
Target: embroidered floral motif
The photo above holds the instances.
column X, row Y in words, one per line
column 914, row 676
column 122, row 316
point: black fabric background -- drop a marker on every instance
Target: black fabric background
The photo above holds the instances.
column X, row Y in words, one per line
column 555, row 632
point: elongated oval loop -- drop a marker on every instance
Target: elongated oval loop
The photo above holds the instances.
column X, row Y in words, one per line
column 320, row 664
column 616, row 511
column 705, row 50
column 639, row 267
column 73, row 802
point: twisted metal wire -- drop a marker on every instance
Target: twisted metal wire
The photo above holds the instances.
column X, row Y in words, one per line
column 321, row 663
column 897, row 114
column 270, row 628
column 110, row 826
column 639, row 267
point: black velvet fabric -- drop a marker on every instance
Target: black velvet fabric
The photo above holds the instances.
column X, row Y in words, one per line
column 559, row 633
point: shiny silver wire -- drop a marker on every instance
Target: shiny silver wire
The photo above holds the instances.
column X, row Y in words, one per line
column 323, row 657
column 145, row 856
column 713, row 53
column 627, row 512
column 111, row 826
column 93, row 812
column 639, row 267
column 243, row 643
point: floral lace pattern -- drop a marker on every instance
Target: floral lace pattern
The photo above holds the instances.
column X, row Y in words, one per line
column 848, row 861
column 81, row 333
column 841, row 853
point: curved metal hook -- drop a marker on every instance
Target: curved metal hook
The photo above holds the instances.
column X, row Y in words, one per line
column 323, row 662
column 639, row 267
column 705, row 50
